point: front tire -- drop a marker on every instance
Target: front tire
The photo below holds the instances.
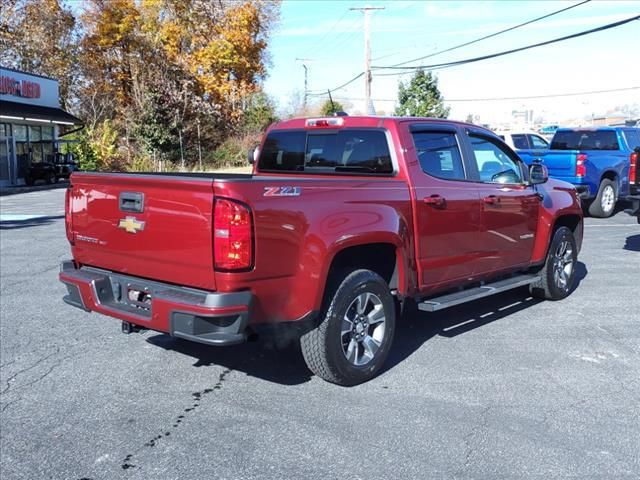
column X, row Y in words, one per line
column 353, row 339
column 604, row 204
column 559, row 271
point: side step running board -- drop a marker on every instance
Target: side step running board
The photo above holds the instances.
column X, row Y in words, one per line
column 456, row 298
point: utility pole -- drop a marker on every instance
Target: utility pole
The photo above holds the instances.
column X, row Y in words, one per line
column 306, row 79
column 367, row 55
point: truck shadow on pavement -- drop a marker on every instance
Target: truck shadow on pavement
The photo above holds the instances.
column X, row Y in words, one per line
column 632, row 243
column 28, row 222
column 284, row 365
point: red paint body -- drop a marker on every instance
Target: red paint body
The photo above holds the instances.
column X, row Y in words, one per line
column 438, row 246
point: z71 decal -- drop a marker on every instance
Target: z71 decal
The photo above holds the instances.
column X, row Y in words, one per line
column 282, row 192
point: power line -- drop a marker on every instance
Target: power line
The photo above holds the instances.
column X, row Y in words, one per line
column 337, row 88
column 494, row 34
column 484, row 57
column 515, row 50
column 495, row 99
column 326, row 34
column 529, row 97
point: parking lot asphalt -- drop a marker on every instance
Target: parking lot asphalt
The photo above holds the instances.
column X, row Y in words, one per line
column 505, row 387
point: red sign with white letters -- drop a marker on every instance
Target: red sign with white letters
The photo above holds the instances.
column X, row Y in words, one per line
column 24, row 88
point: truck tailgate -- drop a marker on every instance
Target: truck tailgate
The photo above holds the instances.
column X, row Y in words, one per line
column 560, row 162
column 156, row 227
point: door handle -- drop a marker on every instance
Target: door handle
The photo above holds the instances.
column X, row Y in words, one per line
column 491, row 200
column 435, row 200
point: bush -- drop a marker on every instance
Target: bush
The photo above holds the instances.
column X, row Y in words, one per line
column 232, row 152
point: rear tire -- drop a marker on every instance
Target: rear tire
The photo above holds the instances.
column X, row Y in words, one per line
column 604, row 204
column 353, row 339
column 559, row 271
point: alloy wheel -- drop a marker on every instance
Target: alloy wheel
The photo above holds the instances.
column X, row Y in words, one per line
column 563, row 265
column 363, row 329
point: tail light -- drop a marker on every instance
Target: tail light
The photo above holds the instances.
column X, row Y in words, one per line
column 633, row 168
column 581, row 165
column 68, row 214
column 232, row 236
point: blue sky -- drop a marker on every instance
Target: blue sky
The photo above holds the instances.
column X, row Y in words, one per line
column 330, row 34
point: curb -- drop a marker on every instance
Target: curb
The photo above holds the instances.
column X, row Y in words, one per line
column 4, row 191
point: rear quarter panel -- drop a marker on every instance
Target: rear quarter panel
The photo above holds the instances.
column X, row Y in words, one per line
column 296, row 237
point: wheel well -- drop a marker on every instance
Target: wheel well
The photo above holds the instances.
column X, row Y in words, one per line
column 569, row 221
column 613, row 176
column 377, row 257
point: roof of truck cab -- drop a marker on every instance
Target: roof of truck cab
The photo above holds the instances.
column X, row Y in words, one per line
column 370, row 121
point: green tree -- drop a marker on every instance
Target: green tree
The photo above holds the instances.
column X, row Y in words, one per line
column 328, row 108
column 259, row 112
column 421, row 97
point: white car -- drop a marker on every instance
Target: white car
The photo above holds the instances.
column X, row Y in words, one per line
column 523, row 140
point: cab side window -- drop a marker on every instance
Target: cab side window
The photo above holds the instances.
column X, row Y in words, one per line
column 520, row 141
column 439, row 154
column 495, row 164
column 538, row 142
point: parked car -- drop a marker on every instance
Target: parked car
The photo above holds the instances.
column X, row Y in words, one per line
column 526, row 144
column 634, row 183
column 58, row 166
column 342, row 218
column 595, row 160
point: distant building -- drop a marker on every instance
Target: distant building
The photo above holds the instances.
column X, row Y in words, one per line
column 31, row 122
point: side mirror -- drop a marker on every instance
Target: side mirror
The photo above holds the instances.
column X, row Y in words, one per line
column 253, row 155
column 538, row 174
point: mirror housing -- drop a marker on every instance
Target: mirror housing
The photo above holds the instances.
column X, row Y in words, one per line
column 252, row 155
column 538, row 174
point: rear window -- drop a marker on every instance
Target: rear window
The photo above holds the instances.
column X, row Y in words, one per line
column 343, row 151
column 585, row 140
column 633, row 138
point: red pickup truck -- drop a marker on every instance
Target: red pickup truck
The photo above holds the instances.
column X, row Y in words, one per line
column 342, row 218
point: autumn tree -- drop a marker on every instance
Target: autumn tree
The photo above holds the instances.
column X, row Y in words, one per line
column 40, row 36
column 420, row 97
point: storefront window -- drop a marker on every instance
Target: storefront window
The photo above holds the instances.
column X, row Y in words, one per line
column 5, row 129
column 35, row 142
column 20, row 132
column 22, row 149
column 47, row 133
column 47, row 144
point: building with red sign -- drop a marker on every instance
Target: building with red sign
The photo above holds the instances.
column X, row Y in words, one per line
column 32, row 124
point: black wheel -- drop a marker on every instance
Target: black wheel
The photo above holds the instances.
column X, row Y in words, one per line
column 604, row 204
column 352, row 341
column 559, row 271
column 28, row 181
column 50, row 178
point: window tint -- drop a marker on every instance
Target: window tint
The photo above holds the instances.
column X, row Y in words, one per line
column 283, row 151
column 585, row 140
column 347, row 150
column 538, row 142
column 520, row 141
column 633, row 138
column 439, row 155
column 494, row 164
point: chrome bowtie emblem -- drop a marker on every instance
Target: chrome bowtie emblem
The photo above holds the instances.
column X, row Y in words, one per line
column 131, row 224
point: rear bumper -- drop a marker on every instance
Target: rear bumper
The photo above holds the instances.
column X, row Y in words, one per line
column 196, row 315
column 584, row 192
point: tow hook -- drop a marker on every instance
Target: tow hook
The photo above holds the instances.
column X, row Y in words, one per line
column 128, row 328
